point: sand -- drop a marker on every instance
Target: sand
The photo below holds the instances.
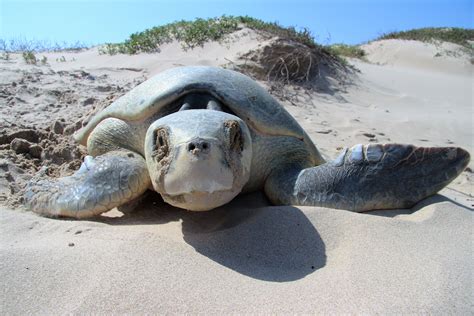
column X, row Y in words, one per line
column 247, row 256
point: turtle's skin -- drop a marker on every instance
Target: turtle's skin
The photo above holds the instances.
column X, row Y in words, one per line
column 201, row 135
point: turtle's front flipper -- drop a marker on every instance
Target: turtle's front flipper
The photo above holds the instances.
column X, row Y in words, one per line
column 101, row 184
column 370, row 177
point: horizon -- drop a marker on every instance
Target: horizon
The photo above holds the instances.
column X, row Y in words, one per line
column 330, row 22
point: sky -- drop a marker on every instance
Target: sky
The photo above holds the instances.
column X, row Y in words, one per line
column 336, row 21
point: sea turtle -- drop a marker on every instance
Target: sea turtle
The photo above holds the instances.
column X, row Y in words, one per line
column 201, row 135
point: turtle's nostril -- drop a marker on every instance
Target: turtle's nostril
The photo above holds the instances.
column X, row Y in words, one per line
column 198, row 146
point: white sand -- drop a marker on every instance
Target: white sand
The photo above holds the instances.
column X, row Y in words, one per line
column 248, row 257
column 261, row 260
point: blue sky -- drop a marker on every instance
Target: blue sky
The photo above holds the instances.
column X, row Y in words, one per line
column 352, row 22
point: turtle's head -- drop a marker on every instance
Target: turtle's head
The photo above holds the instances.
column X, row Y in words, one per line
column 198, row 159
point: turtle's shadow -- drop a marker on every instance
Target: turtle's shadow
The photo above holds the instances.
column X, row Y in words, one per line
column 437, row 198
column 275, row 244
column 248, row 235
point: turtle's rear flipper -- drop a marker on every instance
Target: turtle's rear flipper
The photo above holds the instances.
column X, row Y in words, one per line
column 370, row 177
column 101, row 184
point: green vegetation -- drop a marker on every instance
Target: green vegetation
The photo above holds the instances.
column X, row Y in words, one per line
column 351, row 51
column 19, row 45
column 294, row 57
column 446, row 34
column 44, row 60
column 5, row 55
column 195, row 33
column 29, row 57
column 303, row 36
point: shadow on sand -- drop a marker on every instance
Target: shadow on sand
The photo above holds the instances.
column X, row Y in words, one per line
column 270, row 243
column 437, row 198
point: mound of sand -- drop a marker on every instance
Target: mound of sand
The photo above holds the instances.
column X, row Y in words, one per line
column 42, row 107
column 441, row 57
column 248, row 256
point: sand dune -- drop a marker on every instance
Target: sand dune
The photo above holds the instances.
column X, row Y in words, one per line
column 441, row 57
column 248, row 256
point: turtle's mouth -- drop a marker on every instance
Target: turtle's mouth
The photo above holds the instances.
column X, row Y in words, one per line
column 199, row 201
column 199, row 177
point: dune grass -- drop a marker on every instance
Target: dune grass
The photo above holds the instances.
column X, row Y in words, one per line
column 30, row 57
column 351, row 51
column 20, row 45
column 295, row 57
column 455, row 35
column 195, row 33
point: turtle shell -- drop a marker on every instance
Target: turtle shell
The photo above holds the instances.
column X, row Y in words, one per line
column 242, row 95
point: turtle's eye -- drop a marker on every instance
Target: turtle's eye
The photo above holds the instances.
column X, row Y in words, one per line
column 161, row 148
column 234, row 134
column 161, row 140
